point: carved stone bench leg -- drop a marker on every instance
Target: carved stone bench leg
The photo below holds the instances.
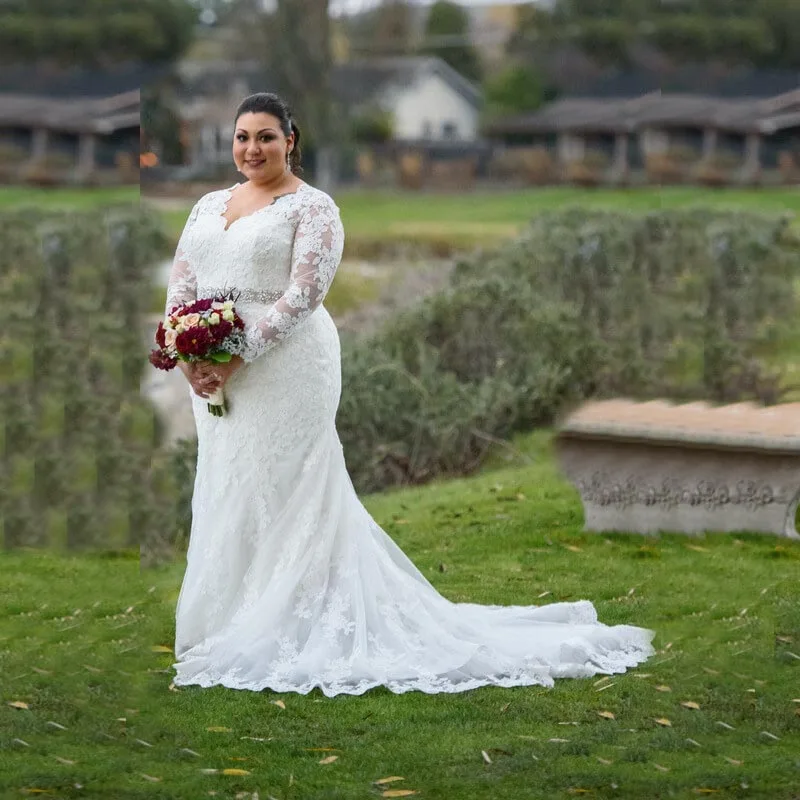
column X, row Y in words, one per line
column 649, row 487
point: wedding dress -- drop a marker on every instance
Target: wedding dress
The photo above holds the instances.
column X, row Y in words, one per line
column 289, row 583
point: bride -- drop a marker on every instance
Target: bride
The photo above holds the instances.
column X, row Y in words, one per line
column 290, row 584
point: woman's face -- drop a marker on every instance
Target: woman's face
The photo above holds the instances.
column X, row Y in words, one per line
column 260, row 148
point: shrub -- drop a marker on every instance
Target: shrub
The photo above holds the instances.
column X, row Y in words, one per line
column 78, row 438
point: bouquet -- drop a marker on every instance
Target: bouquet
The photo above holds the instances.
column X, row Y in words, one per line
column 204, row 330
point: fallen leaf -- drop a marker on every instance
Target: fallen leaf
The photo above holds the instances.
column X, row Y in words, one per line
column 607, row 686
column 486, row 757
column 235, row 771
column 664, row 722
column 605, row 715
column 694, row 742
column 329, row 760
column 573, row 548
column 558, row 740
column 390, row 779
column 41, row 671
column 696, row 548
column 209, row 771
column 150, row 778
column 505, row 708
column 710, row 671
column 784, row 639
column 660, row 768
column 160, row 648
column 398, row 793
column 279, row 703
column 19, row 704
column 238, row 758
column 771, row 736
column 643, row 675
column 604, row 760
column 734, row 761
column 64, row 761
column 218, row 729
column 663, row 688
column 725, row 725
column 690, row 704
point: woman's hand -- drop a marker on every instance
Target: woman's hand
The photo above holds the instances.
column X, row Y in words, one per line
column 215, row 374
column 202, row 381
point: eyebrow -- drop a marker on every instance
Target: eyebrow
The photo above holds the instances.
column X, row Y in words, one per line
column 261, row 131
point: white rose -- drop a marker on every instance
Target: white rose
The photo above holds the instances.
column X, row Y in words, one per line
column 213, row 319
column 227, row 316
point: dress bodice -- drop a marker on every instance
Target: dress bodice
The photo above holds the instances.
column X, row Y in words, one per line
column 253, row 254
column 279, row 260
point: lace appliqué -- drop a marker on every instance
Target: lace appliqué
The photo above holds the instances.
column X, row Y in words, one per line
column 316, row 253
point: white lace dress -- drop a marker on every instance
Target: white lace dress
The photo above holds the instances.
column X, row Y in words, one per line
column 290, row 584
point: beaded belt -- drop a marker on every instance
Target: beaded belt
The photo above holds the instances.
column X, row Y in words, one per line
column 243, row 295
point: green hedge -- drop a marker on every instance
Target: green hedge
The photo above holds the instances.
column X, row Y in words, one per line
column 676, row 304
column 81, row 465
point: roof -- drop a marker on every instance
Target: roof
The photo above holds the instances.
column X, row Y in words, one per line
column 361, row 81
column 101, row 115
column 657, row 109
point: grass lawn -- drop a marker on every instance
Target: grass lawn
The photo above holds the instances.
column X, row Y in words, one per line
column 58, row 197
column 480, row 218
column 85, row 646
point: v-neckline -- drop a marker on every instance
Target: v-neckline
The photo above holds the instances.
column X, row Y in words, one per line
column 228, row 193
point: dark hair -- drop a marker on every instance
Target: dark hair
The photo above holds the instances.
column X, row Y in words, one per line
column 268, row 103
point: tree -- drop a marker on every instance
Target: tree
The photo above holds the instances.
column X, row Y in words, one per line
column 294, row 43
column 386, row 30
column 447, row 36
column 95, row 32
column 514, row 90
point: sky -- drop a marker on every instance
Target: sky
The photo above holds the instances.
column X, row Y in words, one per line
column 354, row 6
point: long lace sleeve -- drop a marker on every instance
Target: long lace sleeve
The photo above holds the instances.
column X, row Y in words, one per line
column 316, row 254
column 182, row 285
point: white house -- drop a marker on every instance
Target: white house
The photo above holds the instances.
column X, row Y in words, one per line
column 427, row 99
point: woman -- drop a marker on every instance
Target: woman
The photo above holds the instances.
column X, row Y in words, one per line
column 290, row 584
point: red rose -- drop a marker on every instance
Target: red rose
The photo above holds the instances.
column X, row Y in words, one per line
column 160, row 333
column 160, row 360
column 222, row 329
column 202, row 305
column 194, row 342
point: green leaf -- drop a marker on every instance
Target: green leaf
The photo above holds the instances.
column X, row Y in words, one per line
column 220, row 358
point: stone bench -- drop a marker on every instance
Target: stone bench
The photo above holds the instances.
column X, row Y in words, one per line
column 655, row 466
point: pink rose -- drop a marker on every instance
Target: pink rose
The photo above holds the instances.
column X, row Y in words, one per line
column 190, row 320
column 169, row 337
